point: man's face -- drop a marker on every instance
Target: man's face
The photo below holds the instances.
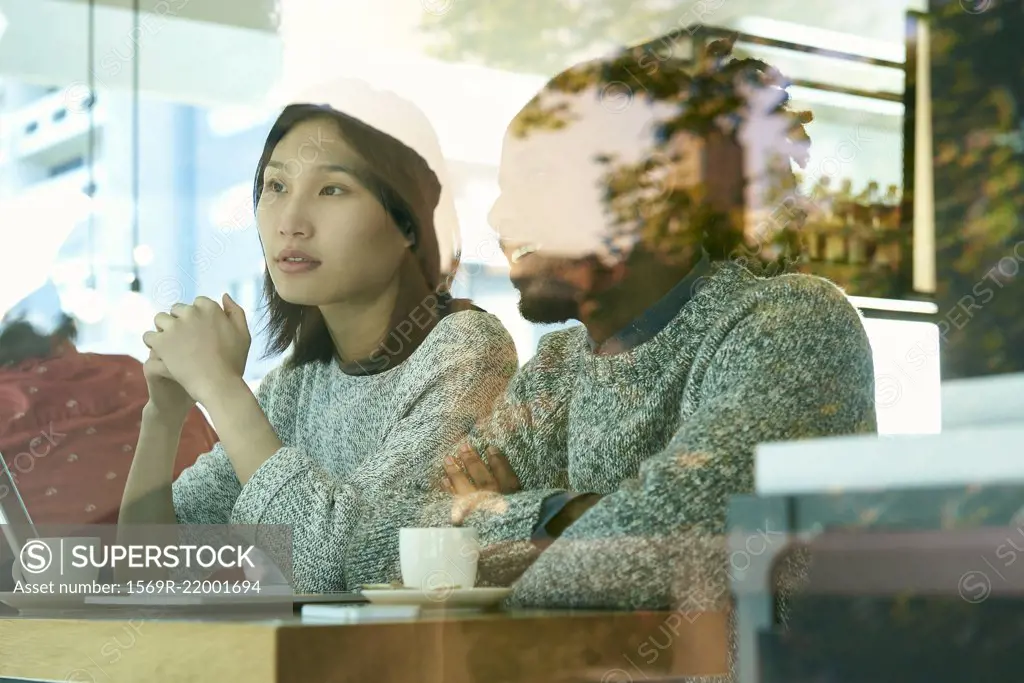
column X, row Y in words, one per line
column 553, row 217
column 586, row 194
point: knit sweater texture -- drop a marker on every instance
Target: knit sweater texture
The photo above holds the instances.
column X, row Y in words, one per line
column 358, row 451
column 666, row 432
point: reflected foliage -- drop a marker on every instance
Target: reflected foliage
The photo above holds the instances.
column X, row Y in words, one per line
column 901, row 639
column 953, row 636
column 861, row 253
column 542, row 36
column 689, row 186
column 978, row 87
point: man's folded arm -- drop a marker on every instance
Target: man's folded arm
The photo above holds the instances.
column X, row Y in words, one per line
column 658, row 541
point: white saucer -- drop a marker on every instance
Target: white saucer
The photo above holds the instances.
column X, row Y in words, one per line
column 439, row 598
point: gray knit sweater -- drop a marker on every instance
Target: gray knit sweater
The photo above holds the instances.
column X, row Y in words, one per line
column 666, row 431
column 356, row 451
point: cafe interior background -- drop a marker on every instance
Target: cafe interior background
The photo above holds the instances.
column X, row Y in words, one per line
column 136, row 126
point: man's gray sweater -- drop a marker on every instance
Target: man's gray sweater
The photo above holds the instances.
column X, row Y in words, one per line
column 666, row 431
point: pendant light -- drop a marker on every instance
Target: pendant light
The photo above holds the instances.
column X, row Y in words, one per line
column 90, row 188
column 135, row 312
column 86, row 303
column 136, row 285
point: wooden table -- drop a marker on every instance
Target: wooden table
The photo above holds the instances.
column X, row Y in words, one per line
column 610, row 647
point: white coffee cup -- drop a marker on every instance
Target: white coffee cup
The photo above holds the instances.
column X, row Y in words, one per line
column 438, row 558
column 51, row 560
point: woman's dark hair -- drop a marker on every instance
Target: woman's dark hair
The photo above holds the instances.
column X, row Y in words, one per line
column 407, row 189
column 21, row 341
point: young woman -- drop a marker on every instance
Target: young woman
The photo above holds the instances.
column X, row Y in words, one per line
column 385, row 375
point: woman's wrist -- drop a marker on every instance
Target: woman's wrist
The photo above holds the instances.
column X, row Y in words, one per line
column 153, row 414
column 245, row 433
column 218, row 396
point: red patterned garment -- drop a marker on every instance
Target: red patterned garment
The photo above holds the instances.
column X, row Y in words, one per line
column 68, row 429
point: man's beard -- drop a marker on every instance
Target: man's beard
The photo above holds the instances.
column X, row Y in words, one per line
column 547, row 302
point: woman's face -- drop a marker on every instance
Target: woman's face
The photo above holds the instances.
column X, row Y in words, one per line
column 326, row 238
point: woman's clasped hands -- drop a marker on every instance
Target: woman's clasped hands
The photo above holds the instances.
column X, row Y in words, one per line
column 194, row 349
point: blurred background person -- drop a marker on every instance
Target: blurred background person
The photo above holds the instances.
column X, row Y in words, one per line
column 69, row 423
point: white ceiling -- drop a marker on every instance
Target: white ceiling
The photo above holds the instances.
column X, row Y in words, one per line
column 252, row 14
column 46, row 43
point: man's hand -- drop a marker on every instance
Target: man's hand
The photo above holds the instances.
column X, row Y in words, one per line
column 467, row 473
column 476, row 484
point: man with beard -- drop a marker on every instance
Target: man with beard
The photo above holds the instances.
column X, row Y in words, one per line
column 655, row 203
